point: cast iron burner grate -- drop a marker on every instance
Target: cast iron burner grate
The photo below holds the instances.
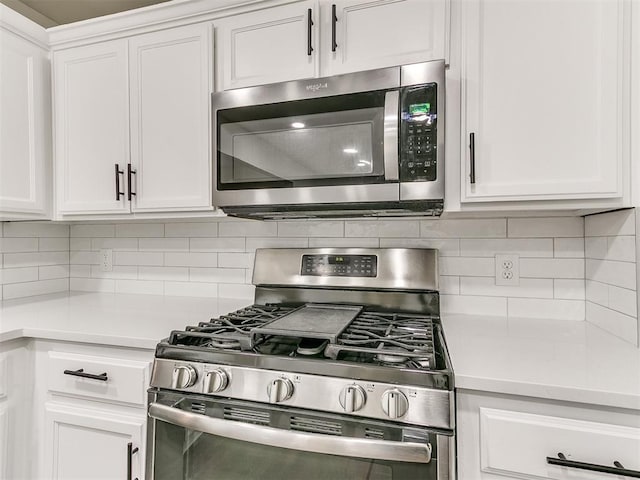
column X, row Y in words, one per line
column 392, row 339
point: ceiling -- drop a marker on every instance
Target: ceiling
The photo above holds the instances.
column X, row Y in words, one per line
column 50, row 13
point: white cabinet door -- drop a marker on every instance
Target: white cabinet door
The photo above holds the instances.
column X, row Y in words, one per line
column 89, row 444
column 381, row 33
column 91, row 127
column 545, row 97
column 170, row 98
column 269, row 45
column 25, row 127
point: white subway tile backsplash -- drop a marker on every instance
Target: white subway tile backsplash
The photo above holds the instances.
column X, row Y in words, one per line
column 54, row 244
column 449, row 284
column 357, row 242
column 76, row 244
column 105, row 285
column 471, row 305
column 18, row 245
column 163, row 273
column 244, row 292
column 35, row 229
column 192, row 259
column 118, row 272
column 53, row 271
column 486, row 286
column 217, row 275
column 138, row 258
column 191, row 289
column 196, row 229
column 145, row 287
column 569, row 289
column 622, row 248
column 140, row 230
column 546, row 227
column 467, row 266
column 236, row 260
column 280, row 242
column 164, row 244
column 311, row 229
column 18, row 275
column 247, row 228
column 525, row 247
column 623, row 300
column 553, row 309
column 619, row 324
column 620, row 274
column 230, row 244
column 124, row 244
column 447, row 247
column 84, row 258
column 464, row 228
column 35, row 259
column 80, row 271
column 551, row 268
column 93, row 231
column 610, row 224
column 596, row 247
column 382, row 228
column 29, row 289
column 597, row 292
column 568, row 247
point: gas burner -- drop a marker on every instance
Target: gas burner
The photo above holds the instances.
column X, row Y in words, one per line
column 389, row 357
column 225, row 344
column 311, row 346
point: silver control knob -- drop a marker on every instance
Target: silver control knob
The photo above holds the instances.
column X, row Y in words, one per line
column 215, row 381
column 183, row 376
column 352, row 398
column 280, row 390
column 394, row 403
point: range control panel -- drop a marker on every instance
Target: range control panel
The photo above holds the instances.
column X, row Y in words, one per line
column 418, row 144
column 340, row 265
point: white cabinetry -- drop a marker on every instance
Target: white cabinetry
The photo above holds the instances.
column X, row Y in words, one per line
column 25, row 119
column 545, row 96
column 132, row 123
column 512, row 437
column 91, row 408
column 302, row 39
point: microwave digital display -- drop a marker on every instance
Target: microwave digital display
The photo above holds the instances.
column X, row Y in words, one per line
column 419, row 109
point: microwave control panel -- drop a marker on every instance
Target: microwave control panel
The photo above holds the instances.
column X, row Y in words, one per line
column 418, row 133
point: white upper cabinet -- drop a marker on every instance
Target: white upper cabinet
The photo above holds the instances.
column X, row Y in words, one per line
column 170, row 88
column 302, row 39
column 366, row 34
column 545, row 98
column 132, row 123
column 25, row 122
column 267, row 46
column 91, row 127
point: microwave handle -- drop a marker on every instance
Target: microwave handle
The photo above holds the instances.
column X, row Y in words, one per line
column 390, row 138
column 306, row 442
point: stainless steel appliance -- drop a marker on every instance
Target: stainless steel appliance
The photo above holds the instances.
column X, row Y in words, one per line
column 338, row 370
column 369, row 143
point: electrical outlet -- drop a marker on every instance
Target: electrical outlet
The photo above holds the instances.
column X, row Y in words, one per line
column 507, row 269
column 106, row 259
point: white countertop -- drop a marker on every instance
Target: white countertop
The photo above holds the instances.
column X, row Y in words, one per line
column 551, row 359
column 139, row 321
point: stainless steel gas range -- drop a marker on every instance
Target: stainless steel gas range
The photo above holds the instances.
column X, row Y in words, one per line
column 338, row 370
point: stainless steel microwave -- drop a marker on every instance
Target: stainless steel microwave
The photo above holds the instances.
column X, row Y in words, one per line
column 363, row 144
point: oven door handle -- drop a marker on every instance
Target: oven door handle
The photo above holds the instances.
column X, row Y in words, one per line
column 390, row 136
column 306, row 442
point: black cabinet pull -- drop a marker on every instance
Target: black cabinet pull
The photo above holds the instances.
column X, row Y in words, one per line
column 130, row 452
column 309, row 25
column 472, row 156
column 618, row 469
column 118, row 173
column 81, row 373
column 334, row 20
column 130, row 172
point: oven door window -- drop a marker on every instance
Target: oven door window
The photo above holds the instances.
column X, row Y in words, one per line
column 328, row 141
column 191, row 455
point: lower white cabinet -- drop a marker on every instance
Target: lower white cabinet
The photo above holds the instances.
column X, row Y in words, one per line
column 513, row 437
column 93, row 444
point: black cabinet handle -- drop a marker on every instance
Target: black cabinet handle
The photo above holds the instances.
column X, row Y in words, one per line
column 130, row 172
column 472, row 156
column 130, row 452
column 618, row 469
column 309, row 25
column 81, row 373
column 118, row 173
column 334, row 20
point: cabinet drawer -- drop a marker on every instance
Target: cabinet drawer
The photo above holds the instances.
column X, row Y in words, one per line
column 517, row 444
column 123, row 381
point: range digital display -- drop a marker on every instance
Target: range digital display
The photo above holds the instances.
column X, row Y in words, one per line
column 340, row 265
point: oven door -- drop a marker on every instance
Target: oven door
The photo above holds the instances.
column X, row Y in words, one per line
column 198, row 438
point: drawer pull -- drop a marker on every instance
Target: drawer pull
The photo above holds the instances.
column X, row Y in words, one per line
column 618, row 469
column 81, row 373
